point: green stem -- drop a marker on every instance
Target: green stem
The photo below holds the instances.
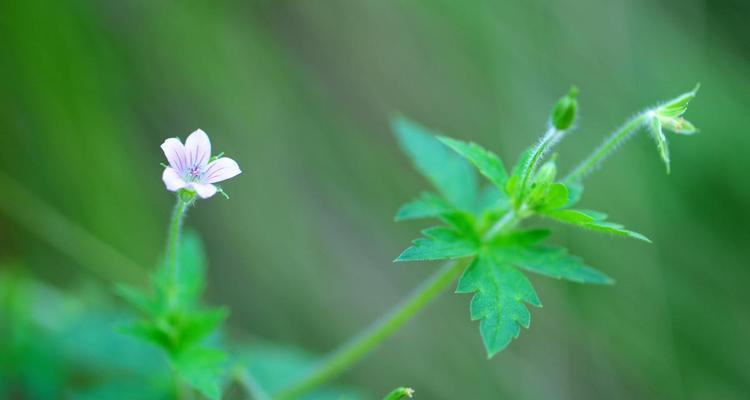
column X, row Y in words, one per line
column 607, row 147
column 362, row 344
column 251, row 385
column 173, row 243
column 550, row 137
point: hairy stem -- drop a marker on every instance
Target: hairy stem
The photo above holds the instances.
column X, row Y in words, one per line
column 356, row 348
column 173, row 243
column 549, row 139
column 609, row 145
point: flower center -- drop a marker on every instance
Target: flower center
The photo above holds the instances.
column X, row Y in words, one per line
column 194, row 172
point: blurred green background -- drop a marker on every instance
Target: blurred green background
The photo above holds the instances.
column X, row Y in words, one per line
column 300, row 93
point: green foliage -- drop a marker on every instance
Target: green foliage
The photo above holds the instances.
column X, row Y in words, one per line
column 499, row 302
column 451, row 175
column 173, row 319
column 487, row 230
column 669, row 116
column 400, row 394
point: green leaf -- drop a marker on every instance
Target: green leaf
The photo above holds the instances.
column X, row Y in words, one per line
column 201, row 323
column 522, row 249
column 148, row 332
column 203, row 368
column 486, row 161
column 575, row 191
column 661, row 140
column 400, row 394
column 439, row 243
column 557, row 197
column 192, row 272
column 447, row 171
column 592, row 220
column 426, row 206
column 501, row 291
column 678, row 105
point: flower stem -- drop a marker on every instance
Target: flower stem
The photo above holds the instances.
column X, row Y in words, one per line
column 593, row 160
column 173, row 243
column 356, row 348
column 549, row 139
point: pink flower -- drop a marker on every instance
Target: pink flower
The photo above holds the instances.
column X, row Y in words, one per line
column 190, row 166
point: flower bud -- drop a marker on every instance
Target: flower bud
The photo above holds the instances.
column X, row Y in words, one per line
column 564, row 113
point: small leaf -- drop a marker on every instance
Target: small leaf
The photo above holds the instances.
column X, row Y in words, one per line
column 678, row 105
column 557, row 197
column 201, row 323
column 486, row 161
column 447, row 171
column 439, row 243
column 592, row 220
column 501, row 292
column 575, row 191
column 427, row 205
column 203, row 368
column 400, row 394
column 661, row 140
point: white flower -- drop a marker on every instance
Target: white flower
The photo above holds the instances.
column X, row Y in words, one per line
column 190, row 166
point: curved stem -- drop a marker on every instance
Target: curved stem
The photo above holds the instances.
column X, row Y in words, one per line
column 360, row 345
column 173, row 243
column 548, row 140
column 607, row 147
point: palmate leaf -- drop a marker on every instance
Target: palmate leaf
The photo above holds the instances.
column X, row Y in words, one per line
column 428, row 205
column 451, row 175
column 203, row 368
column 501, row 291
column 592, row 220
column 484, row 160
column 440, row 243
column 523, row 250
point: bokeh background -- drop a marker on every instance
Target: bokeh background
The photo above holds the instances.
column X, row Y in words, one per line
column 300, row 93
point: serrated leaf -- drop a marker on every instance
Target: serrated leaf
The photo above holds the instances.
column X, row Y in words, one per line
column 592, row 220
column 439, row 243
column 522, row 250
column 452, row 175
column 148, row 332
column 426, row 206
column 501, row 291
column 661, row 140
column 486, row 161
column 203, row 368
column 201, row 323
column 557, row 197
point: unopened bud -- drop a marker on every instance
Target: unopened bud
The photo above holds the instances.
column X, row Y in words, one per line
column 564, row 113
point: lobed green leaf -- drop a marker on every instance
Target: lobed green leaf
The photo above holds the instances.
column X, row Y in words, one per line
column 447, row 171
column 486, row 161
column 501, row 291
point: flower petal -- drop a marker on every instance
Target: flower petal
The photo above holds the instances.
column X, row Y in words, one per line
column 172, row 179
column 175, row 152
column 220, row 170
column 197, row 149
column 204, row 190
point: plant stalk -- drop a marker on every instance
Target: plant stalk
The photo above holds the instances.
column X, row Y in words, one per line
column 609, row 145
column 360, row 345
column 173, row 243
